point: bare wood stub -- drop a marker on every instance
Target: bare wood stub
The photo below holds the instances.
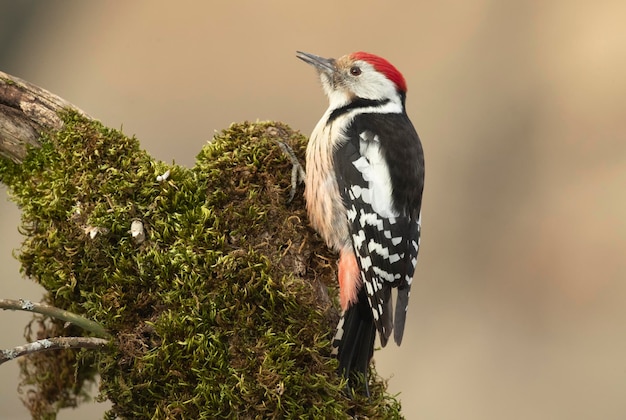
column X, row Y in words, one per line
column 26, row 111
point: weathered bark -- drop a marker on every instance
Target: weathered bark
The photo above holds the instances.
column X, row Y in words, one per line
column 26, row 111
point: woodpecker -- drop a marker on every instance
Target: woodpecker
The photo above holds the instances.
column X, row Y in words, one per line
column 363, row 191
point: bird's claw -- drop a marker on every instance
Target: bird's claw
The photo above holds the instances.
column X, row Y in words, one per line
column 297, row 171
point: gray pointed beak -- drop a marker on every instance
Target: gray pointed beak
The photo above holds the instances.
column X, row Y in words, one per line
column 326, row 65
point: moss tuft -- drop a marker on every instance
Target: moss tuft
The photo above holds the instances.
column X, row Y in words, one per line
column 223, row 311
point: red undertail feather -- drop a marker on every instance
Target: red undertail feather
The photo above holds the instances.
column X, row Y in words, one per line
column 349, row 278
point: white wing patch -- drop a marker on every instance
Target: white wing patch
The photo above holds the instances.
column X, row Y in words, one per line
column 358, row 239
column 371, row 219
column 375, row 172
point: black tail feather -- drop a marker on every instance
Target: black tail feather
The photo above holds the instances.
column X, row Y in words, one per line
column 400, row 318
column 354, row 343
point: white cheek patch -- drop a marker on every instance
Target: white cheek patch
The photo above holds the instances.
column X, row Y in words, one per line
column 372, row 84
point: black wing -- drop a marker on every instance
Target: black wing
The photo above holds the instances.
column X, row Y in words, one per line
column 384, row 222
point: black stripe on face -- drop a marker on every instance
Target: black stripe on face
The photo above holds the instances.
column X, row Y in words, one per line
column 356, row 104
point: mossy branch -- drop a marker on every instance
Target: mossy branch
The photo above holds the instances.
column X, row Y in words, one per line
column 220, row 306
column 52, row 312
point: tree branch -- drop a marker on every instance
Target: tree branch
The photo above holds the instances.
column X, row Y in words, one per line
column 54, row 343
column 52, row 312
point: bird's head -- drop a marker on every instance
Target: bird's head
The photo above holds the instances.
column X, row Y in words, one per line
column 357, row 75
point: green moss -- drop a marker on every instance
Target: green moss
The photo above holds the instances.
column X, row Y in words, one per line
column 223, row 310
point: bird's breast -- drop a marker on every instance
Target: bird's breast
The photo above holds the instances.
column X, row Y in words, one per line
column 325, row 207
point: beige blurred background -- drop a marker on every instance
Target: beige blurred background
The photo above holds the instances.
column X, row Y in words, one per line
column 518, row 311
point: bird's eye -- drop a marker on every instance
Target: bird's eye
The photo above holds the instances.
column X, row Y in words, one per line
column 355, row 71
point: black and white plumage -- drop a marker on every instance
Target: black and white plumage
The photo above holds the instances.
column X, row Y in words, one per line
column 364, row 182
